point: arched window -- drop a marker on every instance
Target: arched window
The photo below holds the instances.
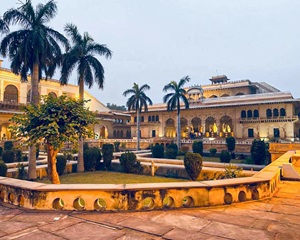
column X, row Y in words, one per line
column 213, row 96
column 255, row 113
column 157, row 118
column 153, row 118
column 225, row 95
column 115, row 134
column 249, row 114
column 275, row 112
column 282, row 112
column 239, row 94
column 269, row 113
column 135, row 119
column 142, row 118
column 243, row 114
column 121, row 134
column 128, row 134
column 11, row 94
column 149, row 118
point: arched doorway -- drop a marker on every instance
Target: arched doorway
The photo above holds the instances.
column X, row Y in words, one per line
column 196, row 128
column 103, row 132
column 210, row 127
column 11, row 94
column 170, row 130
column 184, row 128
column 226, row 126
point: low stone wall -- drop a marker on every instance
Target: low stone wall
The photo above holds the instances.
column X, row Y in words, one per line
column 129, row 197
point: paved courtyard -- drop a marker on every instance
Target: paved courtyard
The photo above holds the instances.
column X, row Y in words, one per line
column 276, row 218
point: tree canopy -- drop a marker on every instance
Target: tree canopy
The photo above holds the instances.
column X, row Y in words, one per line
column 55, row 121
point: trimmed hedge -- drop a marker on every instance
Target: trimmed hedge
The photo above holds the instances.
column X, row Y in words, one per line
column 193, row 165
column 8, row 145
column 172, row 151
column 107, row 152
column 8, row 156
column 129, row 163
column 225, row 157
column 61, row 162
column 258, row 152
column 3, row 169
column 158, row 151
column 92, row 157
column 198, row 147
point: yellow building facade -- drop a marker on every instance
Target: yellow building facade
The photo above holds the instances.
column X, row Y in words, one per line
column 243, row 109
column 14, row 94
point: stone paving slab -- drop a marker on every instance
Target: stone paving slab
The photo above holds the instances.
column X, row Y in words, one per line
column 182, row 221
column 34, row 235
column 180, row 234
column 59, row 224
column 230, row 231
column 88, row 231
column 232, row 219
column 146, row 226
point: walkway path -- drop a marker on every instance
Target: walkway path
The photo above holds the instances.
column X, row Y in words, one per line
column 276, row 218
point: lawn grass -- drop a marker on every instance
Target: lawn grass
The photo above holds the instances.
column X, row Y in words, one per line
column 214, row 159
column 106, row 177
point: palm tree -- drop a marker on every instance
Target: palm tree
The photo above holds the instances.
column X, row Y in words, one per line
column 32, row 48
column 3, row 26
column 81, row 56
column 137, row 102
column 173, row 100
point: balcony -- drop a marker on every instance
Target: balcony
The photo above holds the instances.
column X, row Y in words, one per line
column 269, row 119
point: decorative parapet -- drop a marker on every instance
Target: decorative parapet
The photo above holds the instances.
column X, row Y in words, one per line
column 150, row 196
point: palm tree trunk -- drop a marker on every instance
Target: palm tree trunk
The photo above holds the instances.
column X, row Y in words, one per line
column 178, row 125
column 34, row 98
column 138, row 129
column 52, row 171
column 80, row 162
column 178, row 131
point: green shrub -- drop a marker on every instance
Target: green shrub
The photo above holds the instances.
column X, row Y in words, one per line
column 3, row 169
column 225, row 157
column 193, row 165
column 69, row 156
column 117, row 146
column 18, row 155
column 107, row 152
column 232, row 171
column 213, row 151
column 248, row 160
column 24, row 158
column 184, row 149
column 198, row 147
column 258, row 152
column 85, row 146
column 21, row 171
column 230, row 143
column 1, row 151
column 172, row 151
column 158, row 151
column 129, row 163
column 92, row 157
column 61, row 163
column 8, row 156
column 8, row 145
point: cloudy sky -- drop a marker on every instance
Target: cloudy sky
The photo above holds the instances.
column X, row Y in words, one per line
column 157, row 41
